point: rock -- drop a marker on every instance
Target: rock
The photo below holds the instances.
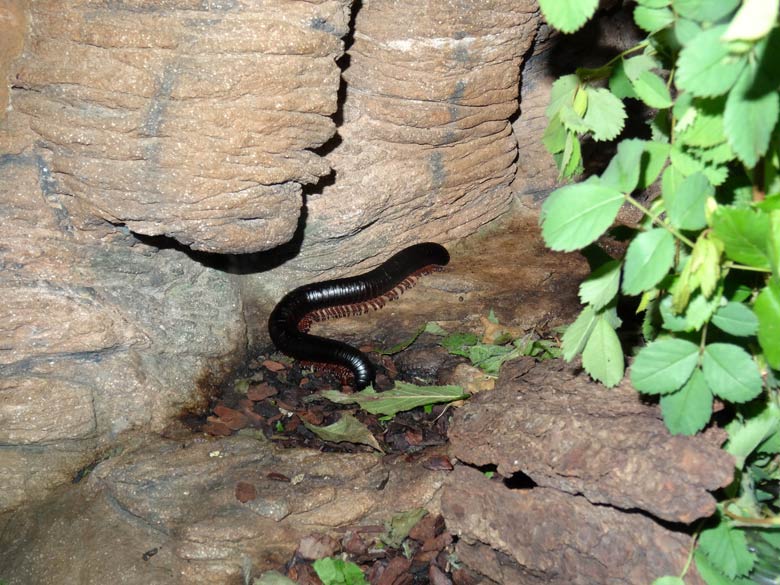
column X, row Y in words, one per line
column 426, row 150
column 12, row 17
column 181, row 498
column 545, row 536
column 183, row 119
column 568, row 433
column 102, row 335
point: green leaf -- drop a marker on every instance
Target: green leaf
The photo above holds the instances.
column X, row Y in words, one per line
column 664, row 365
column 601, row 286
column 688, row 410
column 605, row 115
column 562, row 94
column 749, row 119
column 434, row 328
column 726, row 548
column 572, row 156
column 745, row 233
column 333, row 571
column 685, row 30
column 704, row 10
column 602, row 357
column 578, row 333
column 707, row 127
column 654, row 3
column 653, row 162
column 622, row 173
column 575, row 215
column 753, row 20
column 686, row 205
column 746, row 435
column 698, row 312
column 346, row 429
column 736, row 319
column 459, row 343
column 706, row 68
column 668, row 580
column 652, row 90
column 489, row 358
column 554, row 138
column 401, row 397
column 730, row 372
column 767, row 309
column 648, row 259
column 619, row 83
column 712, row 575
column 652, row 19
column 568, row 15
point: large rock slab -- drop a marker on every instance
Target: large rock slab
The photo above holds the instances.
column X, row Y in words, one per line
column 192, row 120
column 571, row 434
column 543, row 536
column 177, row 501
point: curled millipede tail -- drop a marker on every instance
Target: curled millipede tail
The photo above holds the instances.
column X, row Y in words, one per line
column 292, row 317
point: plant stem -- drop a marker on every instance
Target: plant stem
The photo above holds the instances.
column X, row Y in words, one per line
column 730, row 264
column 638, row 47
column 657, row 221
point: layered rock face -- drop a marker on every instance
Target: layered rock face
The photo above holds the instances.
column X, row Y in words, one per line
column 426, row 148
column 185, row 118
column 190, row 119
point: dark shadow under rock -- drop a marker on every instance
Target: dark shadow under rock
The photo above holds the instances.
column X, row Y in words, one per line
column 571, row 434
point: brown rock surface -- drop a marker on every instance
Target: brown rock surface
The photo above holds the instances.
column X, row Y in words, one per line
column 13, row 24
column 543, row 536
column 179, row 498
column 182, row 118
column 426, row 151
column 571, row 434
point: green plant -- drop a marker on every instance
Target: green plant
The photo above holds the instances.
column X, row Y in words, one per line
column 704, row 261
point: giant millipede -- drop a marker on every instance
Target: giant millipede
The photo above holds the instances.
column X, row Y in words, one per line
column 291, row 318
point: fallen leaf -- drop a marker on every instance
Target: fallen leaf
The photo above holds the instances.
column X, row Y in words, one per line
column 346, row 429
column 258, row 392
column 234, row 419
column 317, row 546
column 438, row 463
column 497, row 334
column 216, row 427
column 274, row 366
column 403, row 396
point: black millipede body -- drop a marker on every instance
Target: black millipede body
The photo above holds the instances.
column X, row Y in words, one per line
column 290, row 320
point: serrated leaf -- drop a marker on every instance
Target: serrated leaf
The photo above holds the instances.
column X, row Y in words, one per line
column 705, row 264
column 572, row 161
column 748, row 119
column 730, row 372
column 653, row 161
column 347, row 429
column 712, row 575
column 575, row 215
column 664, row 365
column 567, row 15
column 767, row 309
column 572, row 121
column 685, row 206
column 401, row 397
column 333, row 571
column 619, row 83
column 605, row 115
column 652, row 90
column 697, row 312
column 707, row 127
column 489, row 357
column 601, row 286
column 688, row 410
column 602, row 357
column 719, row 154
column 652, row 19
column 745, row 233
column 736, row 319
column 562, row 94
column 754, row 19
column 685, row 30
column 683, row 162
column 704, row 10
column 578, row 333
column 706, row 68
column 726, row 548
column 648, row 259
column 554, row 138
column 745, row 435
column 622, row 173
